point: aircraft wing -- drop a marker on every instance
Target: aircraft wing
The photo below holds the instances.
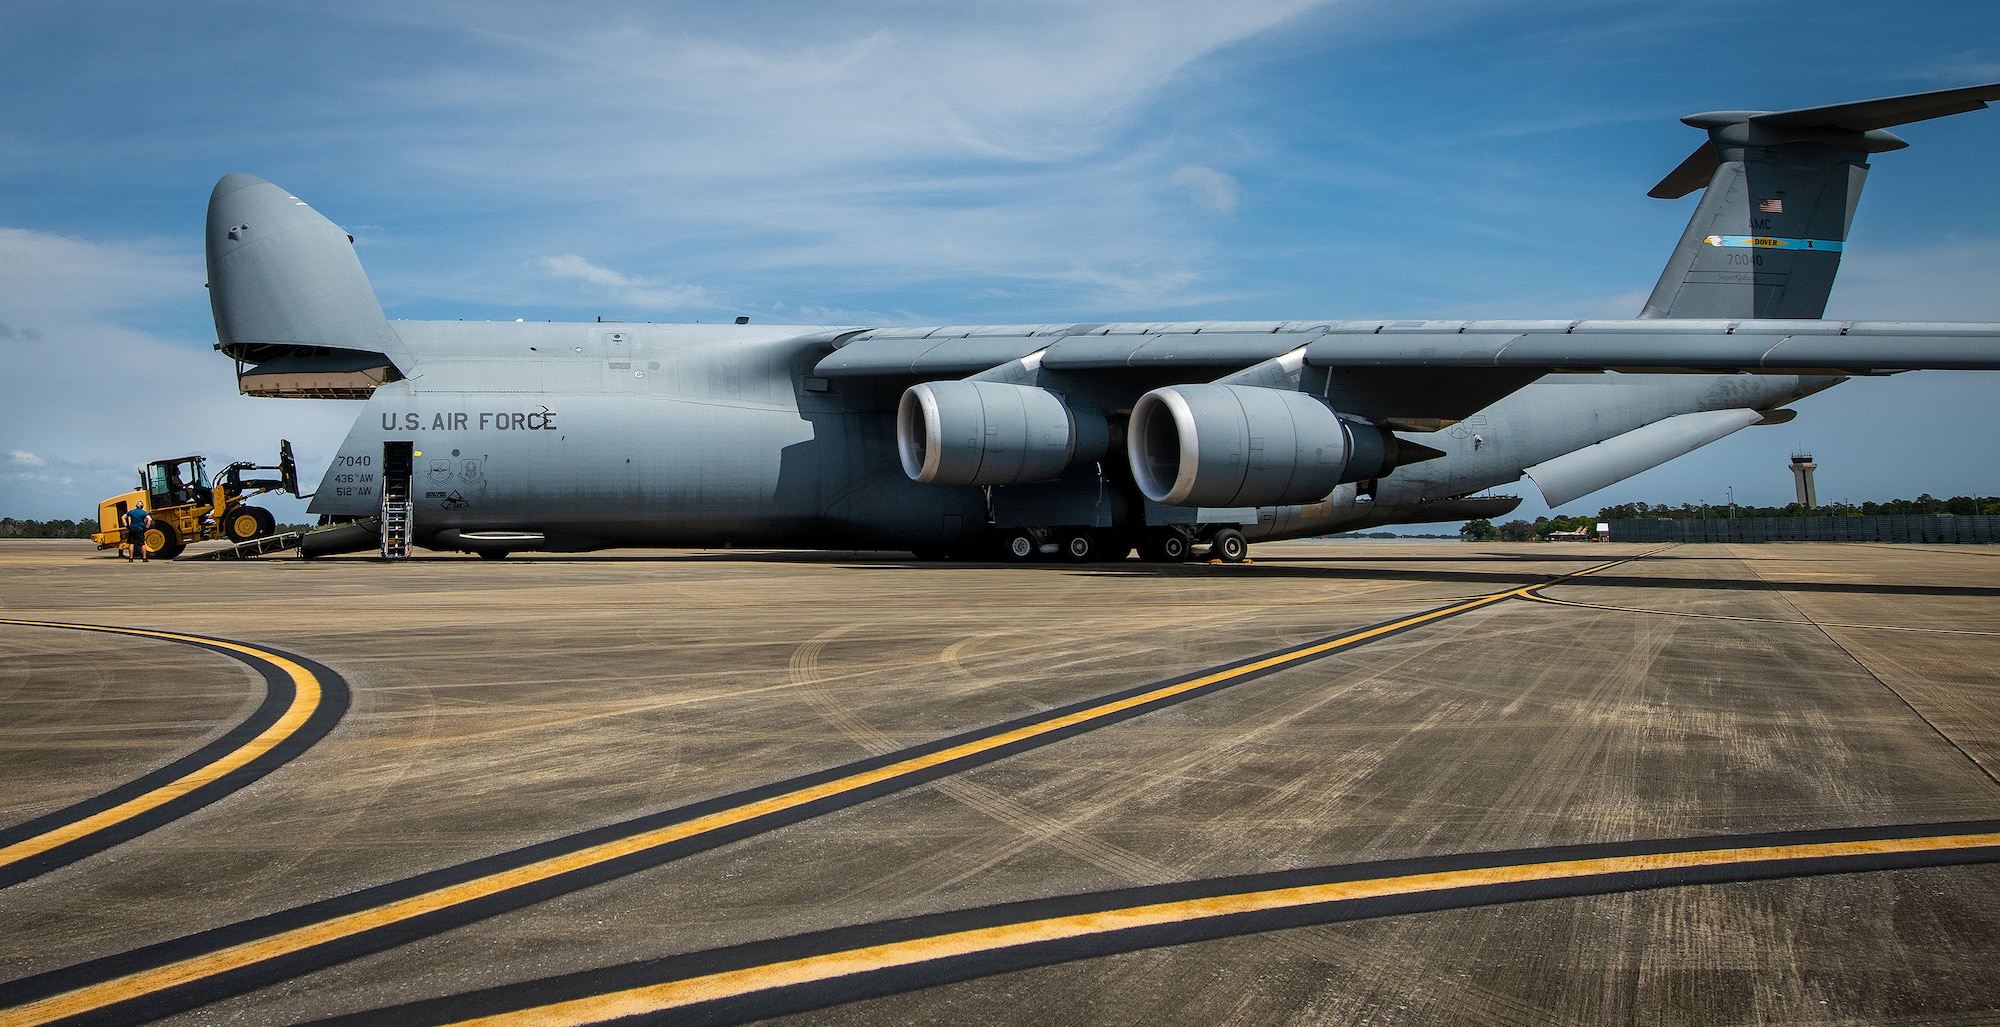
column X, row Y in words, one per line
column 1648, row 344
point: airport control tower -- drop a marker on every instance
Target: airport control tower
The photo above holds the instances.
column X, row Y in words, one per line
column 1802, row 471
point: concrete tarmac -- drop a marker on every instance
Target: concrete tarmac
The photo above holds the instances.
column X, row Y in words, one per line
column 1687, row 692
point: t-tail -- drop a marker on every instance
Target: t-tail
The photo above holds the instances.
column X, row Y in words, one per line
column 1766, row 240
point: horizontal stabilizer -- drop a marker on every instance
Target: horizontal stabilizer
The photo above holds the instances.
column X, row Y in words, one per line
column 1855, row 119
column 1888, row 112
column 1693, row 173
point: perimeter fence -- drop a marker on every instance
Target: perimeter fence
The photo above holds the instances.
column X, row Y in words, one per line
column 1978, row 528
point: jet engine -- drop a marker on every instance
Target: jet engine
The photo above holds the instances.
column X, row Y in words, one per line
column 985, row 433
column 1240, row 445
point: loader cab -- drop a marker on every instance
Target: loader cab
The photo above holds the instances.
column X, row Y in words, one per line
column 181, row 481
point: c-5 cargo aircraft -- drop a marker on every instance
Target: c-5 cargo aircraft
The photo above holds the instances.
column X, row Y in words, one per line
column 1081, row 441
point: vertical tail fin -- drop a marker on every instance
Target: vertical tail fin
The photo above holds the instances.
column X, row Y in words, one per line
column 1766, row 239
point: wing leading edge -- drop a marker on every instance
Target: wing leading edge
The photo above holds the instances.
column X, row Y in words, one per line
column 1637, row 345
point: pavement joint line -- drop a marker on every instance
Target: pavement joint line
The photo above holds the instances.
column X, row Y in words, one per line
column 1890, row 687
column 250, row 954
column 840, row 965
column 303, row 701
column 1759, row 620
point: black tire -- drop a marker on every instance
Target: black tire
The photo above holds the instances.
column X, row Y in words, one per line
column 243, row 523
column 493, row 554
column 1019, row 545
column 1229, row 546
column 930, row 554
column 1164, row 545
column 1079, row 546
column 163, row 541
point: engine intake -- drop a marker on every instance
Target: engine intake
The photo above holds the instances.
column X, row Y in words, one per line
column 1240, row 445
column 983, row 433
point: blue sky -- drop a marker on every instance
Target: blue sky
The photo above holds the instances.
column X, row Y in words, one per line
column 913, row 163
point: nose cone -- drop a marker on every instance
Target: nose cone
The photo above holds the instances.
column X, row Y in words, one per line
column 233, row 181
column 280, row 274
column 244, row 208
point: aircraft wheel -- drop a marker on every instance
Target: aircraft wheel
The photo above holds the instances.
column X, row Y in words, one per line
column 1229, row 546
column 493, row 554
column 1079, row 546
column 163, row 541
column 930, row 554
column 1019, row 545
column 1164, row 546
column 247, row 522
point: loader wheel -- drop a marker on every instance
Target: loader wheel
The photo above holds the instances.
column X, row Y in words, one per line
column 247, row 522
column 163, row 541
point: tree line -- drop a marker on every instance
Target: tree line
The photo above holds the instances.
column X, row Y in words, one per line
column 1484, row 530
column 11, row 528
column 1925, row 504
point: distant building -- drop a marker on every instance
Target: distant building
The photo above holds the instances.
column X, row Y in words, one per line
column 1802, row 478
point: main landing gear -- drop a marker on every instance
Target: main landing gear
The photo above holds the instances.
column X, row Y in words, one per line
column 1169, row 544
column 1074, row 545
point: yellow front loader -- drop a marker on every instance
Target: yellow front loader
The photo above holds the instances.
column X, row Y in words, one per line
column 185, row 506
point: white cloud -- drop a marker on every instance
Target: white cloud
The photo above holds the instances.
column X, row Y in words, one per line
column 1209, row 186
column 46, row 277
column 88, row 397
column 631, row 290
column 1031, row 81
column 572, row 266
column 848, row 148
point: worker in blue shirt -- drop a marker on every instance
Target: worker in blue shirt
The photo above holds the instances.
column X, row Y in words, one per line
column 135, row 534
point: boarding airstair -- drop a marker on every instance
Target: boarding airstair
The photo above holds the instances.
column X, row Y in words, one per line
column 398, row 464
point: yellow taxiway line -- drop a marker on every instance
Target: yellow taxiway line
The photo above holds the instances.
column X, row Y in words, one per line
column 235, row 957
column 832, row 965
column 305, row 700
column 195, row 968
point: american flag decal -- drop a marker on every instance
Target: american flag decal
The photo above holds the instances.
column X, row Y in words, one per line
column 1771, row 206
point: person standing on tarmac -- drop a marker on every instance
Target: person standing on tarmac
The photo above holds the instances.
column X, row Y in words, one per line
column 135, row 534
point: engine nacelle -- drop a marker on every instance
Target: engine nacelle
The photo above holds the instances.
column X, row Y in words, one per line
column 983, row 433
column 1240, row 445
